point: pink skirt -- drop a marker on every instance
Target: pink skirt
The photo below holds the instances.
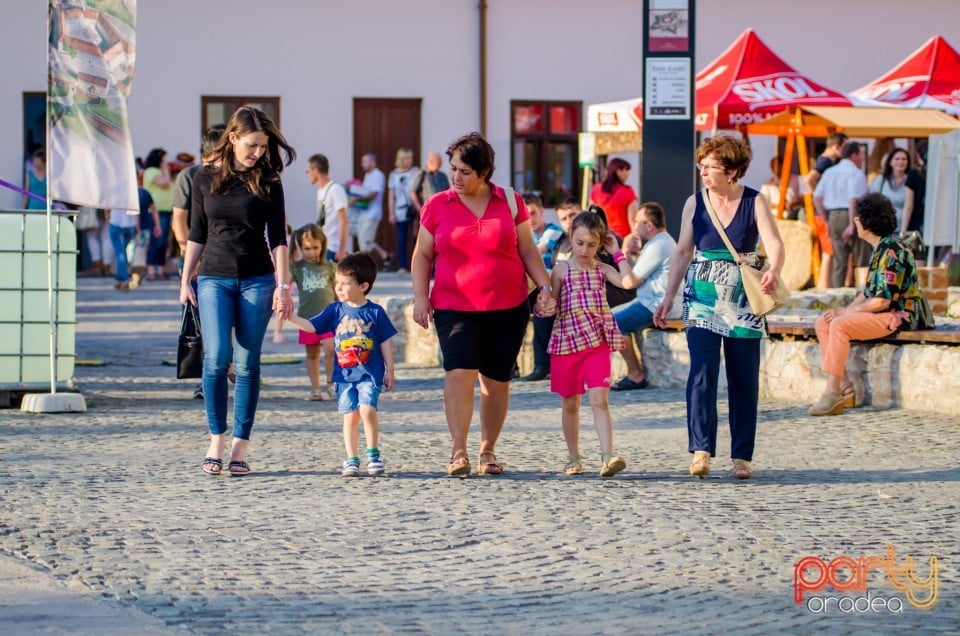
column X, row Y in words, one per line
column 307, row 338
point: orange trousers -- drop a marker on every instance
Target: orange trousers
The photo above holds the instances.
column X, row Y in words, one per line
column 835, row 336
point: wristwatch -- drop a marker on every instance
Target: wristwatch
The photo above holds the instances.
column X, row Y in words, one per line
column 546, row 288
column 283, row 286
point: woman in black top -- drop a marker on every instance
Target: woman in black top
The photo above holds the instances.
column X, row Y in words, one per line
column 237, row 200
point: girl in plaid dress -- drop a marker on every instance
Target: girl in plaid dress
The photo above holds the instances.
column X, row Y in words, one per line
column 584, row 334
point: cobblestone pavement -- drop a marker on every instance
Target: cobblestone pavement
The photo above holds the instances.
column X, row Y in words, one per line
column 111, row 505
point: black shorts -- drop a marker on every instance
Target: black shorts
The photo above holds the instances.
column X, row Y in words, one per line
column 485, row 340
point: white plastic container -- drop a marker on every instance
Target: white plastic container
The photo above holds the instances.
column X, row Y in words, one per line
column 24, row 304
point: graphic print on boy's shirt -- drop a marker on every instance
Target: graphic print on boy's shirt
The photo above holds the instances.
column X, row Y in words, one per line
column 352, row 342
column 359, row 334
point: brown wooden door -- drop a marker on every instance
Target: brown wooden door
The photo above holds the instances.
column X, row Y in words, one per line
column 382, row 126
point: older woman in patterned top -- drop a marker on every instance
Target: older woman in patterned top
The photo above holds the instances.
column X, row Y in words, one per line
column 890, row 301
column 716, row 314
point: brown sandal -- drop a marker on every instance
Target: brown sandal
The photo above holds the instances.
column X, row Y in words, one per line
column 489, row 467
column 852, row 399
column 741, row 469
column 700, row 466
column 459, row 464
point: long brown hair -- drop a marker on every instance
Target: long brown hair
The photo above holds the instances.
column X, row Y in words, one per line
column 246, row 120
column 611, row 180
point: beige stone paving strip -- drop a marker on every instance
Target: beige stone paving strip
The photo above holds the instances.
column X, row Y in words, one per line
column 113, row 507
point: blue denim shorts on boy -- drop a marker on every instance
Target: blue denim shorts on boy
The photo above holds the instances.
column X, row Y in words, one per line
column 350, row 395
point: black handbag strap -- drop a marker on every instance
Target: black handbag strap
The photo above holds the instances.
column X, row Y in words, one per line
column 190, row 310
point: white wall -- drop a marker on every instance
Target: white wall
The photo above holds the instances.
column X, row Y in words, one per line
column 318, row 56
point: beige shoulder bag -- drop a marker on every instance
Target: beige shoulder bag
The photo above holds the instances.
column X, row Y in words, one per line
column 761, row 304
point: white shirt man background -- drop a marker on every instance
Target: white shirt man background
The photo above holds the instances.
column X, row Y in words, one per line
column 374, row 185
column 835, row 199
column 652, row 270
column 331, row 207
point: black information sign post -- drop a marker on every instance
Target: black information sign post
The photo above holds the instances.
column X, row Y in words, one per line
column 668, row 173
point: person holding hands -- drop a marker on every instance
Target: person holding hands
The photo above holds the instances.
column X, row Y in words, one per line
column 716, row 314
column 237, row 219
column 364, row 356
column 584, row 334
column 480, row 245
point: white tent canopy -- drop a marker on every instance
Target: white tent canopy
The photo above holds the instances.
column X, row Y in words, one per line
column 623, row 116
column 941, row 225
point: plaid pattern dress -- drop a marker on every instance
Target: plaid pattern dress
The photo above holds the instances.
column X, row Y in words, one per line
column 584, row 320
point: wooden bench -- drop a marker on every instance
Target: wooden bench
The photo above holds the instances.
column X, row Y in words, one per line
column 945, row 333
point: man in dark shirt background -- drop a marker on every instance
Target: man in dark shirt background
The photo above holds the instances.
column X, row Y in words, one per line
column 827, row 159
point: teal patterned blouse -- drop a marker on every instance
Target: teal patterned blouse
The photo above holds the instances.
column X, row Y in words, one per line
column 893, row 275
column 713, row 297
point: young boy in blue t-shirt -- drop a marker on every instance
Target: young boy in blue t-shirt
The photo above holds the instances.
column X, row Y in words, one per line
column 364, row 356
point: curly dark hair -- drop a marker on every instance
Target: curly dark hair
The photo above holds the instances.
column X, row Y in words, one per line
column 876, row 214
column 476, row 152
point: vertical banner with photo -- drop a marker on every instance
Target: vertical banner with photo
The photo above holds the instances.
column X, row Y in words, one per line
column 91, row 59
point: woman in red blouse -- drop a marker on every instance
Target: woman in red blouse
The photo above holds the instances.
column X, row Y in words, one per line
column 482, row 252
column 617, row 199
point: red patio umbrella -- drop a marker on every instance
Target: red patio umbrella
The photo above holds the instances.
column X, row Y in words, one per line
column 928, row 78
column 749, row 82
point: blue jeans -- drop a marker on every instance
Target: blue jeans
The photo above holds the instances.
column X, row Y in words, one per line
column 403, row 236
column 120, row 237
column 242, row 305
column 632, row 316
column 157, row 249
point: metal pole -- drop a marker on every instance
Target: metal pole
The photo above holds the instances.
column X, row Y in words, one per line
column 50, row 306
column 483, row 67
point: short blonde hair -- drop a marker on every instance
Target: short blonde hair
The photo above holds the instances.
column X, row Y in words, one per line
column 401, row 153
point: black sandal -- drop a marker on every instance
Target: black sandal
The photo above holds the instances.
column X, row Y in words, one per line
column 243, row 469
column 212, row 461
column 626, row 384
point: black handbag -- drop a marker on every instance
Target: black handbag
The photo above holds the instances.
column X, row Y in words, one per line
column 190, row 347
column 913, row 241
column 925, row 319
